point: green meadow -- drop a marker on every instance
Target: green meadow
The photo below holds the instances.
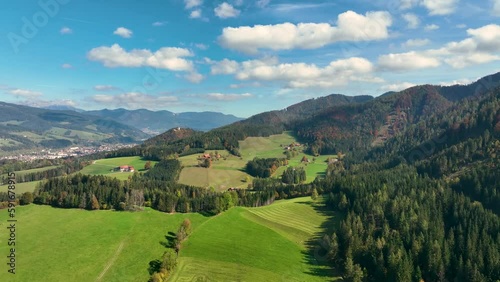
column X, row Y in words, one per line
column 25, row 186
column 243, row 244
column 106, row 166
column 256, row 244
column 224, row 173
column 21, row 187
column 230, row 172
column 77, row 245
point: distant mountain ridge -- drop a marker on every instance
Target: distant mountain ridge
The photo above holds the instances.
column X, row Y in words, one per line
column 24, row 127
column 161, row 121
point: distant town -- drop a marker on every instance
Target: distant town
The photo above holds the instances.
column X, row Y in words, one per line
column 66, row 152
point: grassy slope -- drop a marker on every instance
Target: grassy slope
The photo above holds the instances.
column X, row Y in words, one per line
column 254, row 244
column 104, row 166
column 25, row 186
column 59, row 244
column 222, row 175
column 230, row 172
column 21, row 187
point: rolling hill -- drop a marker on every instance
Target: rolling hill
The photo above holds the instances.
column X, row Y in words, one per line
column 23, row 127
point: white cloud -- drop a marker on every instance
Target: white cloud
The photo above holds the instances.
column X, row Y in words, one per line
column 123, row 32
column 105, row 88
column 299, row 75
column 407, row 4
column 134, row 100
column 350, row 27
column 66, row 66
column 193, row 3
column 412, row 20
column 226, row 10
column 262, row 3
column 397, row 86
column 462, row 61
column 66, row 30
column 440, row 7
column 171, row 58
column 24, row 93
column 195, row 14
column 225, row 67
column 463, row 81
column 415, row 43
column 461, row 25
column 482, row 46
column 158, row 23
column 228, row 97
column 430, row 27
column 407, row 61
column 194, row 77
column 496, row 8
column 201, row 46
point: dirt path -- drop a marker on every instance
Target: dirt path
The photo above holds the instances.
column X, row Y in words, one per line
column 111, row 261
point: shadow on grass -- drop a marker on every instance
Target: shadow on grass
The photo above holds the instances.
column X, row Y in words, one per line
column 316, row 254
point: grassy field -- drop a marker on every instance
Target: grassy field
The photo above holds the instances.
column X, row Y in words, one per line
column 224, row 173
column 25, row 186
column 243, row 244
column 21, row 187
column 77, row 245
column 230, row 172
column 105, row 166
column 256, row 244
column 265, row 147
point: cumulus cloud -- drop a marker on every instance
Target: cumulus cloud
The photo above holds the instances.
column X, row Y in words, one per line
column 407, row 4
column 226, row 10
column 482, row 46
column 195, row 14
column 105, row 88
column 412, row 20
column 227, row 97
column 299, row 75
column 350, row 27
column 66, row 66
column 134, row 100
column 66, row 30
column 192, row 3
column 440, row 7
column 415, row 43
column 224, row 67
column 397, row 86
column 407, row 61
column 24, row 93
column 123, row 32
column 431, row 27
column 171, row 58
column 194, row 77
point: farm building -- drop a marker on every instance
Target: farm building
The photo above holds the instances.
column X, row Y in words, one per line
column 126, row 168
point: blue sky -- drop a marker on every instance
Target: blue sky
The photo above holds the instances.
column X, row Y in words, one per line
column 238, row 57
